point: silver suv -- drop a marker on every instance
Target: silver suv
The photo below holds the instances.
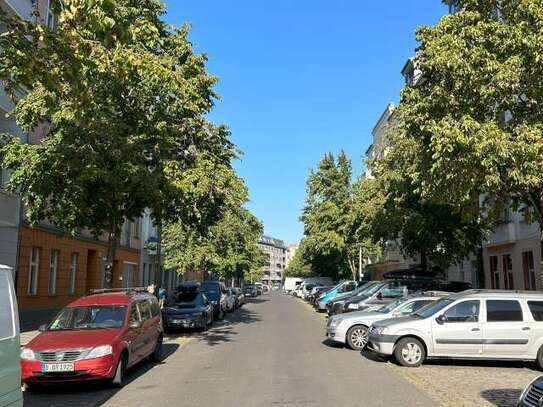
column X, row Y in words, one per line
column 352, row 328
column 481, row 324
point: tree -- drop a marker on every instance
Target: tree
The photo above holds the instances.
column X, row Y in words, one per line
column 298, row 265
column 228, row 248
column 124, row 98
column 474, row 118
column 334, row 225
column 435, row 231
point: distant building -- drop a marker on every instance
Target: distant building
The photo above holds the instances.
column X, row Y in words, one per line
column 276, row 258
column 291, row 251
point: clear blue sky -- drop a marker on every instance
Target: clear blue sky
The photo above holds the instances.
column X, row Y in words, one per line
column 300, row 78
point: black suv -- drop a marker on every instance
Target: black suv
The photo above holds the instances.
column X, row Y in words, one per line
column 187, row 308
column 214, row 291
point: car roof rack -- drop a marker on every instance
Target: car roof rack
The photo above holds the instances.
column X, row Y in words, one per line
column 127, row 291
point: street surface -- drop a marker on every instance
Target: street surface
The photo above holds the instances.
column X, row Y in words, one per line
column 269, row 353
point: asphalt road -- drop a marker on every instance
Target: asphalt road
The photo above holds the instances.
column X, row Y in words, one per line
column 269, row 353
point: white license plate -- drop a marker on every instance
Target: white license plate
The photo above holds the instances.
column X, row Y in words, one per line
column 57, row 367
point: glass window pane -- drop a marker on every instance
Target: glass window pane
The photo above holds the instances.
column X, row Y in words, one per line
column 503, row 310
column 536, row 308
column 466, row 311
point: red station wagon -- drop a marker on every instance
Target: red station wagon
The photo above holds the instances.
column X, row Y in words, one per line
column 96, row 337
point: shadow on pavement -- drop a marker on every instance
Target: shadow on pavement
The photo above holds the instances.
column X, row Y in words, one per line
column 502, row 364
column 334, row 344
column 257, row 300
column 502, row 397
column 221, row 331
column 90, row 394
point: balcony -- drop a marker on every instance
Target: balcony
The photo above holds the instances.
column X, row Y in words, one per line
column 22, row 8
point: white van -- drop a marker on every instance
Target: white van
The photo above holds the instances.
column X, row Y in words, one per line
column 474, row 324
column 10, row 347
column 291, row 283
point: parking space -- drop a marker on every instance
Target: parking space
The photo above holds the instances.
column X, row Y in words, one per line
column 470, row 383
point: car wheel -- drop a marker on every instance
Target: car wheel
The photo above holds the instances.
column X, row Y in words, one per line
column 539, row 360
column 357, row 337
column 156, row 356
column 120, row 373
column 409, row 352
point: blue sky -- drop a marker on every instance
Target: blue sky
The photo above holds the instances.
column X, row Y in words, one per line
column 300, row 78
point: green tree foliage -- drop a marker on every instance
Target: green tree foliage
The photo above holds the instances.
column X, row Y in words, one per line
column 299, row 265
column 228, row 249
column 124, row 99
column 435, row 231
column 334, row 225
column 475, row 118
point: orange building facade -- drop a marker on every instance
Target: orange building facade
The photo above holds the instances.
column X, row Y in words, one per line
column 54, row 269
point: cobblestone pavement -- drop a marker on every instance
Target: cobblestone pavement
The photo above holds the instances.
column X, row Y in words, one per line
column 457, row 383
column 466, row 383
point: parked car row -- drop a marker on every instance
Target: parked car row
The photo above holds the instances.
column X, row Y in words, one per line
column 412, row 326
column 101, row 336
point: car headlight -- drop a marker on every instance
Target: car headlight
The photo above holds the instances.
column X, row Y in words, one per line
column 99, row 352
column 352, row 306
column 380, row 330
column 334, row 322
column 28, row 354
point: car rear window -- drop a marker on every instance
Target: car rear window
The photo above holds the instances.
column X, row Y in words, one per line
column 536, row 308
column 503, row 310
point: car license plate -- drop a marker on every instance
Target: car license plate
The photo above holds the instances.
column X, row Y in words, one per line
column 57, row 367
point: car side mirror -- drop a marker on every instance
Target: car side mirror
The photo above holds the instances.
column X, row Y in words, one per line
column 42, row 328
column 441, row 319
column 135, row 325
column 380, row 296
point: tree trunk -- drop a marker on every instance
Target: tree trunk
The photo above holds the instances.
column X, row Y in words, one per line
column 113, row 239
column 158, row 258
column 351, row 266
column 423, row 261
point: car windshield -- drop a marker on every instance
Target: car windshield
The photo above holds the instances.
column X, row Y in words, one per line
column 390, row 306
column 89, row 317
column 432, row 308
column 369, row 290
column 211, row 290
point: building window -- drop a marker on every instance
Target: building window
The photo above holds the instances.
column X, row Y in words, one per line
column 144, row 275
column 528, row 270
column 136, row 228
column 33, row 271
column 53, row 268
column 127, row 233
column 49, row 15
column 73, row 273
column 507, row 266
column 494, row 274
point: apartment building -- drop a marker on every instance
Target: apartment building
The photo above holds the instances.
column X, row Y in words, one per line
column 10, row 204
column 52, row 268
column 291, row 251
column 275, row 251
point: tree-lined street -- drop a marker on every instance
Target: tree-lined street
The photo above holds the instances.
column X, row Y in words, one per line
column 269, row 353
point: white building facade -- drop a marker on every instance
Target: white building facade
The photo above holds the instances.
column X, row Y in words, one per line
column 276, row 252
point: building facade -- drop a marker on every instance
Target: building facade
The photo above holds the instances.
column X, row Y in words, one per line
column 10, row 204
column 276, row 252
column 291, row 251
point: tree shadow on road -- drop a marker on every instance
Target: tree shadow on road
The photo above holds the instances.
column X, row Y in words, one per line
column 502, row 397
column 222, row 331
column 89, row 394
column 502, row 364
column 257, row 300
